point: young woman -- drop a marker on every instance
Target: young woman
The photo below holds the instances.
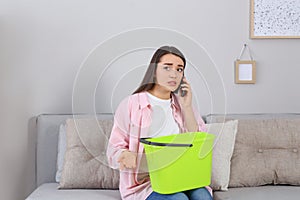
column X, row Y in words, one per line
column 153, row 110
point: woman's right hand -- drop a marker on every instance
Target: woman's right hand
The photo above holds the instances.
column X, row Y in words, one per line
column 127, row 160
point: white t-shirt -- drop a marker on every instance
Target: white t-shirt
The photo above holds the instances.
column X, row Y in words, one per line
column 163, row 122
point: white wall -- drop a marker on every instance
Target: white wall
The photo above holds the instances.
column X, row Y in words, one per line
column 43, row 44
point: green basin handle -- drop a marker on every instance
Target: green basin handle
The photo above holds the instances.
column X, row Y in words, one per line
column 145, row 141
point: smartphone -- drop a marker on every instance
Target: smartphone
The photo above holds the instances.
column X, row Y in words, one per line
column 179, row 89
column 182, row 92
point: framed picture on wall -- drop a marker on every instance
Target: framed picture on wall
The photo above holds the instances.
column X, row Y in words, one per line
column 275, row 19
column 245, row 71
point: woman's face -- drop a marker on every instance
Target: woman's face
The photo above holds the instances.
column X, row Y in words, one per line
column 169, row 72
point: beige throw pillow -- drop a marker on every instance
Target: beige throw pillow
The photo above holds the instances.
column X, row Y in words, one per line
column 266, row 152
column 85, row 162
column 223, row 148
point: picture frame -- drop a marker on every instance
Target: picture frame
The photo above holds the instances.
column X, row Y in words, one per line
column 274, row 19
column 245, row 71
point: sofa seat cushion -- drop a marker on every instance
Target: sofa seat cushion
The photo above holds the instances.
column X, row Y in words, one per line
column 259, row 193
column 49, row 191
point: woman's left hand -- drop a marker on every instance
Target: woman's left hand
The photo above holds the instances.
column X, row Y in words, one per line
column 186, row 100
column 191, row 124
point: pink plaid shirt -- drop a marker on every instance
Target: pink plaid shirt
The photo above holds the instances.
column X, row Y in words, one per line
column 131, row 122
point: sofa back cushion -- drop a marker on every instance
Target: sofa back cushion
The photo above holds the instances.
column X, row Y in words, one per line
column 85, row 162
column 47, row 129
column 267, row 151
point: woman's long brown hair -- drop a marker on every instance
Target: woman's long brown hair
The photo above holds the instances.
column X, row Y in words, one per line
column 148, row 81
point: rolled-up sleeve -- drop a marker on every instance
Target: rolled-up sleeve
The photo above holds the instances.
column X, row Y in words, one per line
column 119, row 138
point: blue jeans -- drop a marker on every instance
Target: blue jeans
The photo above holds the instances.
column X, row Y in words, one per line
column 195, row 194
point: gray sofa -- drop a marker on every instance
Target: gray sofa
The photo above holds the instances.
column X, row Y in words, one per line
column 46, row 154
